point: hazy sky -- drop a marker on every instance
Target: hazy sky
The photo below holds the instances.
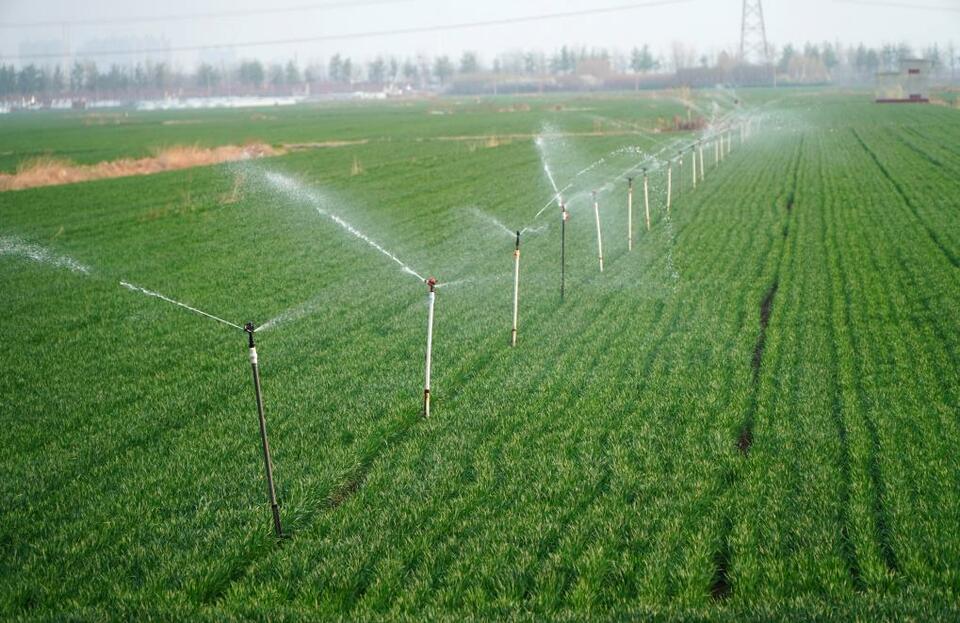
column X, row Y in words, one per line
column 709, row 25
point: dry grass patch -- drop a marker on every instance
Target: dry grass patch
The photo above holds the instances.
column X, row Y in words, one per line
column 48, row 171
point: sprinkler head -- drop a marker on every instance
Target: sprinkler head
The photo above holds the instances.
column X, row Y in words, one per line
column 518, row 241
column 250, row 329
column 432, row 282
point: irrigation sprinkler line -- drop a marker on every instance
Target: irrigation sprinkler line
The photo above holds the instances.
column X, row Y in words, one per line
column 630, row 214
column 265, row 443
column 651, row 158
column 137, row 288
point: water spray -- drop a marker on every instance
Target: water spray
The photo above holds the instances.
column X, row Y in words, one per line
column 596, row 212
column 516, row 291
column 630, row 214
column 646, row 197
column 271, row 490
column 431, row 298
column 716, row 153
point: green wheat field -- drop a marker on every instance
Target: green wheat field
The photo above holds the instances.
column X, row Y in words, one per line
column 753, row 414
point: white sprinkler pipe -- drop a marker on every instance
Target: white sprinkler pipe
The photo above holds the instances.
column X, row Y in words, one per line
column 702, row 165
column 516, row 291
column 431, row 298
column 693, row 152
column 630, row 214
column 646, row 197
column 596, row 212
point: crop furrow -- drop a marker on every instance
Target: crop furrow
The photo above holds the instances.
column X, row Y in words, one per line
column 948, row 253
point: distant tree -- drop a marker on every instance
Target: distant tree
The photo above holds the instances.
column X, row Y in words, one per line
column 161, row 75
column 394, row 71
column 76, row 78
column 636, row 63
column 8, row 80
column 830, row 56
column 292, row 73
column 952, row 60
column 641, row 60
column 346, row 71
column 469, row 63
column 117, row 79
column 28, row 80
column 785, row 57
column 57, row 81
column 532, row 64
column 410, row 71
column 207, row 76
column 140, row 78
column 276, row 75
column 335, row 68
column 933, row 55
column 251, row 73
column 377, row 70
column 904, row 51
column 442, row 69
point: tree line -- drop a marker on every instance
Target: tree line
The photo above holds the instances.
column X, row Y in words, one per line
column 810, row 61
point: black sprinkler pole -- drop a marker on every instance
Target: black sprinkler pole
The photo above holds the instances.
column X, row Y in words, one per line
column 271, row 490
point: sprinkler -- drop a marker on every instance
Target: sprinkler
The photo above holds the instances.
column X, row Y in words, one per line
column 680, row 173
column 431, row 297
column 702, row 165
column 596, row 212
column 693, row 152
column 646, row 197
column 516, row 291
column 630, row 214
column 271, row 490
column 564, row 216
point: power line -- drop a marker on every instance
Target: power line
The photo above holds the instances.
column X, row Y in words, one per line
column 900, row 5
column 340, row 4
column 375, row 33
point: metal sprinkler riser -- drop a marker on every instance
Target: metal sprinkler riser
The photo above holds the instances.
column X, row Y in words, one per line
column 265, row 443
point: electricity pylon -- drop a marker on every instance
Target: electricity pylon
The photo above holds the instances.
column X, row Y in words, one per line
column 753, row 34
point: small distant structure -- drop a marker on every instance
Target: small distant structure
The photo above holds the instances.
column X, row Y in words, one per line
column 910, row 85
